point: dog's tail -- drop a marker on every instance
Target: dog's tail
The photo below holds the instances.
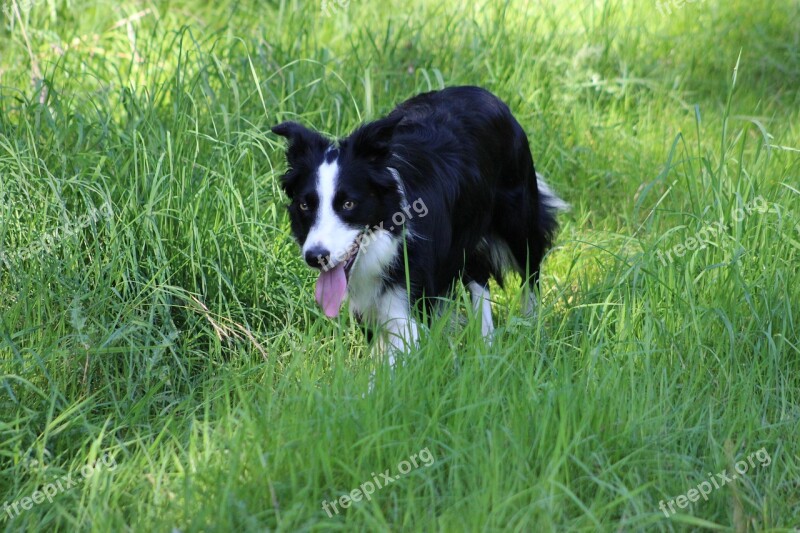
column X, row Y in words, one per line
column 549, row 205
column 548, row 198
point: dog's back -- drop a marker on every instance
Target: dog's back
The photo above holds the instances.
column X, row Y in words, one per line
column 463, row 152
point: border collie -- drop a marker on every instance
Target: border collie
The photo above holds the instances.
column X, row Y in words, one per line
column 442, row 189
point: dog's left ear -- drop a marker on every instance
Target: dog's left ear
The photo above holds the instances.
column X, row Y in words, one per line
column 373, row 140
column 290, row 130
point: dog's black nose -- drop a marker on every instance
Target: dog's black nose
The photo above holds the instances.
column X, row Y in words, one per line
column 318, row 257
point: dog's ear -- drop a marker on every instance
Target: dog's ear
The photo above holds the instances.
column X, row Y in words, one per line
column 303, row 142
column 301, row 139
column 290, row 130
column 372, row 141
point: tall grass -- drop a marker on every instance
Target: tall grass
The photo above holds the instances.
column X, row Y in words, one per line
column 175, row 330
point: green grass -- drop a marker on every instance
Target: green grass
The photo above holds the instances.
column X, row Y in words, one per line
column 154, row 309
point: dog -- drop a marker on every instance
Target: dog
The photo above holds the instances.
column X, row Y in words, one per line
column 442, row 189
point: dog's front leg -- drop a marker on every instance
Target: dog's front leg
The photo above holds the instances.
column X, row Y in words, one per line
column 482, row 304
column 397, row 337
column 398, row 331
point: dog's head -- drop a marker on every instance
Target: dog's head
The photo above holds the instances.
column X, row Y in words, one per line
column 338, row 193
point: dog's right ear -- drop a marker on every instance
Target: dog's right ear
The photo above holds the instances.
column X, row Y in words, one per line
column 290, row 130
column 302, row 140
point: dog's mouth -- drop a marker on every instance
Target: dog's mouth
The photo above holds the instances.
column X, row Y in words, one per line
column 351, row 258
column 332, row 283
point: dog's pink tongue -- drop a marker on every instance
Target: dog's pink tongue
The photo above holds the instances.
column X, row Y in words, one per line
column 331, row 289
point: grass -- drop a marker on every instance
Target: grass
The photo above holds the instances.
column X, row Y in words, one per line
column 155, row 313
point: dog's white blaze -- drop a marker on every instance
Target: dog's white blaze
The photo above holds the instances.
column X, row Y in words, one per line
column 481, row 303
column 329, row 231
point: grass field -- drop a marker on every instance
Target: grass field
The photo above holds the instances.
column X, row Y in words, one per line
column 163, row 365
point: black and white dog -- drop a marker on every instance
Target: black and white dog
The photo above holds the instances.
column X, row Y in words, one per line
column 442, row 189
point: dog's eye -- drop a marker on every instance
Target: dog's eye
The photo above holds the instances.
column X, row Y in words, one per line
column 348, row 205
column 303, row 206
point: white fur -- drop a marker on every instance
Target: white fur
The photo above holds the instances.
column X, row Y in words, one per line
column 378, row 251
column 499, row 254
column 396, row 175
column 386, row 309
column 531, row 302
column 397, row 331
column 549, row 198
column 482, row 304
column 329, row 231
